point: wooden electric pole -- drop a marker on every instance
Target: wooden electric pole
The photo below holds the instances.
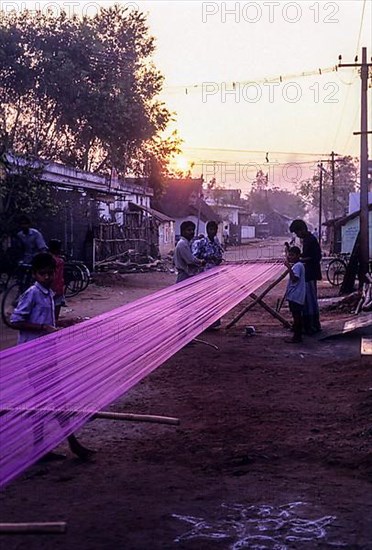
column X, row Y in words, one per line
column 320, row 201
column 333, row 186
column 364, row 222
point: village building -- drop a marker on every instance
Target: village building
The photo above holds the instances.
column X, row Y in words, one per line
column 184, row 200
column 95, row 218
column 235, row 218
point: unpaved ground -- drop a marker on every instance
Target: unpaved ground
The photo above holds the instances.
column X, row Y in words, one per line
column 273, row 450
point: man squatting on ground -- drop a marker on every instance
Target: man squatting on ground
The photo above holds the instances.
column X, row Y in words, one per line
column 34, row 316
column 310, row 257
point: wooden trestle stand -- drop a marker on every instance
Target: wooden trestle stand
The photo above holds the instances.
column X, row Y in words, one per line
column 259, row 300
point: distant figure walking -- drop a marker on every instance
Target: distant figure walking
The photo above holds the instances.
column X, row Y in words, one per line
column 225, row 235
column 310, row 257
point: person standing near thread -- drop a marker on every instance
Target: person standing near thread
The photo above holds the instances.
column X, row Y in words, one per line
column 209, row 248
column 296, row 291
column 186, row 263
column 34, row 317
column 310, row 257
column 211, row 251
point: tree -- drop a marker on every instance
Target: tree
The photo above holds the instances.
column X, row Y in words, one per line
column 82, row 91
column 264, row 199
column 345, row 182
column 22, row 191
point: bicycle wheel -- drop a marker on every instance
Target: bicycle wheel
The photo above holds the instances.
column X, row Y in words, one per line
column 74, row 279
column 85, row 274
column 9, row 302
column 336, row 272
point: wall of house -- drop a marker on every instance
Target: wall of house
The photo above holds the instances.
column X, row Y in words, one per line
column 166, row 238
column 227, row 213
column 248, row 232
column 349, row 233
column 72, row 224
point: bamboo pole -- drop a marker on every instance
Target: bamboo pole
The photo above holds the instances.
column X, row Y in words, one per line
column 137, row 417
column 257, row 299
column 199, row 341
column 55, row 527
column 107, row 415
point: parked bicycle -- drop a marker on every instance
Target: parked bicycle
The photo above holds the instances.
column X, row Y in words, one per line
column 76, row 274
column 77, row 277
column 336, row 269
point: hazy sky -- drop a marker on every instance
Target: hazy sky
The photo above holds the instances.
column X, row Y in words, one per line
column 218, row 59
column 205, row 47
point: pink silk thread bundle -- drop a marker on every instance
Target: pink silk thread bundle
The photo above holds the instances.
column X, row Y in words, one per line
column 56, row 383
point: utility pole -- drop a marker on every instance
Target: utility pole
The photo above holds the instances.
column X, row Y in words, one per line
column 320, row 201
column 333, row 186
column 323, row 170
column 364, row 213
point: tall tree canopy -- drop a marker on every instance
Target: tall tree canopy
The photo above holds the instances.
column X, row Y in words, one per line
column 345, row 182
column 263, row 199
column 83, row 91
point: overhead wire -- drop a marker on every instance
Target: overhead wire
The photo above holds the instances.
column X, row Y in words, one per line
column 355, row 76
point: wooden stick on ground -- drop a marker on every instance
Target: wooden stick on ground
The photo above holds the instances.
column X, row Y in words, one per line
column 137, row 417
column 108, row 415
column 257, row 300
column 199, row 341
column 55, row 527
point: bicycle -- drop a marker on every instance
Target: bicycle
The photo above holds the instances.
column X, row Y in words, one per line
column 336, row 269
column 77, row 277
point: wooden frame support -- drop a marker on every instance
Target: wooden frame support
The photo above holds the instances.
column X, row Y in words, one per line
column 259, row 300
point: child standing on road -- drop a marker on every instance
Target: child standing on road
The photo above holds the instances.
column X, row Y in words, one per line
column 296, row 290
column 34, row 317
column 58, row 285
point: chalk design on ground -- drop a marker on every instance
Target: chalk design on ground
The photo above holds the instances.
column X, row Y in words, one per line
column 258, row 527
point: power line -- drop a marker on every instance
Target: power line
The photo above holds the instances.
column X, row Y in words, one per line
column 234, row 83
column 254, row 151
column 360, row 28
column 200, row 162
column 346, row 100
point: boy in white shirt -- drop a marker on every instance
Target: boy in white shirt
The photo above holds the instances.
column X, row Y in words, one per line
column 296, row 290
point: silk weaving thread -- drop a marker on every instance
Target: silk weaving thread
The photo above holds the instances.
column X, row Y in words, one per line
column 71, row 374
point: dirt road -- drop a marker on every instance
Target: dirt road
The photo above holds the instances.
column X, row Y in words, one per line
column 273, row 450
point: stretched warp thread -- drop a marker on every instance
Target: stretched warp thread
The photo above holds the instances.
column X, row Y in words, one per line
column 71, row 374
